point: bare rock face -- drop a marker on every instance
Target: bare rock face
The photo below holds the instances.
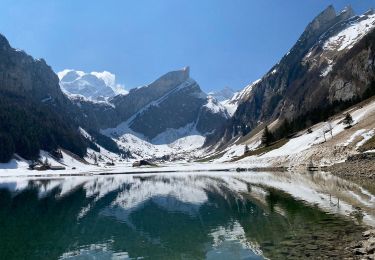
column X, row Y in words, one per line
column 341, row 90
column 175, row 110
column 24, row 75
column 137, row 98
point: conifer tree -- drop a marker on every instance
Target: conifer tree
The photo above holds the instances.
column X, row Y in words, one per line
column 267, row 137
column 246, row 150
column 6, row 148
column 348, row 120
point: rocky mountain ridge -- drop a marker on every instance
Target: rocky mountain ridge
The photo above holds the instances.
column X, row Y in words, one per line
column 172, row 101
column 331, row 61
column 170, row 108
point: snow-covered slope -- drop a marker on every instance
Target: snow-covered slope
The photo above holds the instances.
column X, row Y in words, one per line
column 355, row 29
column 93, row 86
column 173, row 144
column 324, row 144
column 232, row 103
column 214, row 106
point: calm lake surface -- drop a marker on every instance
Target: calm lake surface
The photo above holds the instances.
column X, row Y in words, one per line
column 182, row 216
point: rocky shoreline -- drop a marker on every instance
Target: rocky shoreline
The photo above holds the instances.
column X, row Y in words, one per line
column 365, row 249
column 356, row 167
column 359, row 168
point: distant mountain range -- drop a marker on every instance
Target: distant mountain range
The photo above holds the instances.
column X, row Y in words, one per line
column 171, row 115
column 331, row 63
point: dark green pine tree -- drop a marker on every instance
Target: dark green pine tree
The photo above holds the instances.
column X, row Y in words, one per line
column 348, row 120
column 247, row 149
column 267, row 137
column 6, row 147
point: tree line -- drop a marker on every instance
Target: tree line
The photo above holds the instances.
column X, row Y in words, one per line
column 27, row 127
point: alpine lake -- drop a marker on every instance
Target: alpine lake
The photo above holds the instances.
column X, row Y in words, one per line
column 213, row 215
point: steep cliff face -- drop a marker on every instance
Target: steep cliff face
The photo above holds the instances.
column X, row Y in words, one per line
column 128, row 105
column 35, row 114
column 332, row 61
column 24, row 75
column 175, row 109
column 95, row 115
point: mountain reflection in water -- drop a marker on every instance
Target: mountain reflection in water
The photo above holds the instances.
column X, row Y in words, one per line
column 180, row 216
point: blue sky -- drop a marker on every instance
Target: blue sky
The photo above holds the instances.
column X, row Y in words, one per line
column 225, row 42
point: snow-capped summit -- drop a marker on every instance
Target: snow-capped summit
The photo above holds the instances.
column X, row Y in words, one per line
column 224, row 94
column 214, row 106
column 225, row 98
column 232, row 103
column 94, row 85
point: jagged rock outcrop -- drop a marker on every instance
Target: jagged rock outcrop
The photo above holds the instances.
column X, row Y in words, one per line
column 95, row 115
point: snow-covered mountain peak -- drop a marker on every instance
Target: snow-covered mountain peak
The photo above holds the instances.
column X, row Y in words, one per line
column 224, row 94
column 237, row 97
column 214, row 106
column 93, row 85
column 69, row 75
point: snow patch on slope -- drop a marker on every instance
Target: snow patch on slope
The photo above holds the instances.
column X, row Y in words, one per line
column 214, row 106
column 125, row 127
column 232, row 104
column 245, row 93
column 326, row 71
column 307, row 140
column 172, row 142
column 347, row 38
column 299, row 149
column 231, row 107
